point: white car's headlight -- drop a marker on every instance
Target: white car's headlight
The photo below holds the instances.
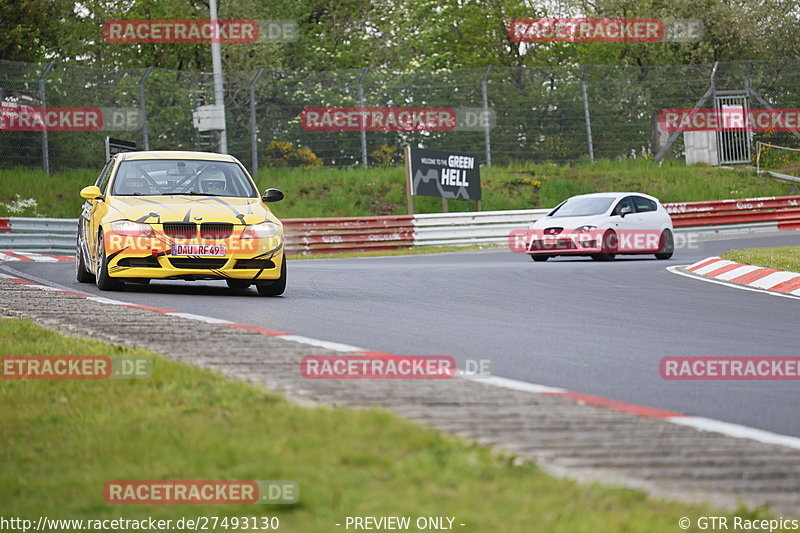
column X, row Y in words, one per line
column 129, row 228
column 585, row 228
column 265, row 230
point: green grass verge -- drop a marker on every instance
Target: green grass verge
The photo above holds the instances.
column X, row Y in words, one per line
column 60, row 441
column 779, row 258
column 330, row 192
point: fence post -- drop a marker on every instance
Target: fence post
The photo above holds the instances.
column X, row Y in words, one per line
column 43, row 100
column 586, row 115
column 486, row 123
column 361, row 105
column 253, row 127
column 708, row 94
column 143, row 108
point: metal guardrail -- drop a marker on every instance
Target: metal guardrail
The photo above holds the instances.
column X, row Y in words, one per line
column 326, row 235
column 41, row 235
column 480, row 227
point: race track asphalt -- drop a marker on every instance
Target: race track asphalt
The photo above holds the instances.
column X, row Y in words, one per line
column 589, row 327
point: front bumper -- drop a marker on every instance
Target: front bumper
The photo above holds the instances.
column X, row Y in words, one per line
column 152, row 258
column 563, row 244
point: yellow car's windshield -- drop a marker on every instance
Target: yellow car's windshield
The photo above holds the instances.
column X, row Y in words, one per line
column 160, row 177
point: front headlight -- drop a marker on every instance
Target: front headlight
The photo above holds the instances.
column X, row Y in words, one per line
column 585, row 229
column 265, row 230
column 129, row 228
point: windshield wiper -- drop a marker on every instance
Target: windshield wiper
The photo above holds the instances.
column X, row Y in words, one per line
column 190, row 193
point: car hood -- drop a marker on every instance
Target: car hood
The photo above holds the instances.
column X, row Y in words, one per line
column 569, row 222
column 159, row 209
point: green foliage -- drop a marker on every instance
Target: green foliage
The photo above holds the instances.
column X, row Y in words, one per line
column 418, row 34
column 286, row 154
column 384, row 156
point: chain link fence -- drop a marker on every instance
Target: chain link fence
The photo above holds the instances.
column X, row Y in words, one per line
column 560, row 114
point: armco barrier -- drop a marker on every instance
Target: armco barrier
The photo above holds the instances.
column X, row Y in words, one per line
column 56, row 235
column 782, row 210
column 481, row 227
column 326, row 235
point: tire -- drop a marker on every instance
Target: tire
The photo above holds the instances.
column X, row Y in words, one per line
column 82, row 273
column 104, row 281
column 540, row 258
column 238, row 283
column 666, row 245
column 610, row 247
column 274, row 288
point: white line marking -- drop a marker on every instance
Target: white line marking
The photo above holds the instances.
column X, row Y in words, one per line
column 45, row 288
column 713, row 266
column 514, row 384
column 38, row 257
column 335, row 346
column 109, row 301
column 674, row 270
column 773, row 279
column 736, row 272
column 736, row 430
column 703, row 261
column 199, row 318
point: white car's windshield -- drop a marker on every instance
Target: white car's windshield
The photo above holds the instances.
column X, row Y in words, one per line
column 158, row 177
column 582, row 206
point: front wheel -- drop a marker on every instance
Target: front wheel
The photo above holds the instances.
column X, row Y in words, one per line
column 104, row 281
column 610, row 247
column 274, row 288
column 540, row 257
column 666, row 245
column 82, row 273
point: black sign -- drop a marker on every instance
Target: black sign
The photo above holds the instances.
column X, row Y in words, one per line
column 444, row 174
column 117, row 146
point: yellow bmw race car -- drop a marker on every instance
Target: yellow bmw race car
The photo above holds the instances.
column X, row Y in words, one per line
column 179, row 215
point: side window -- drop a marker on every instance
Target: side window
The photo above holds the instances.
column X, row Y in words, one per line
column 643, row 204
column 105, row 175
column 625, row 202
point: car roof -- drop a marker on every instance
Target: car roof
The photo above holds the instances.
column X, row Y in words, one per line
column 614, row 195
column 164, row 154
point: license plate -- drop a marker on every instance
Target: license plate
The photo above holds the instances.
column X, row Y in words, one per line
column 215, row 250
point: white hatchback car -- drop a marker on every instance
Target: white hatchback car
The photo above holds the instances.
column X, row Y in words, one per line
column 602, row 225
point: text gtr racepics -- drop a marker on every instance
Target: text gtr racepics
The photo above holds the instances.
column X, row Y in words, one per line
column 179, row 215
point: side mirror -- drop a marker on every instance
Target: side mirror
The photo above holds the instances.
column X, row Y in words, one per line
column 91, row 192
column 625, row 211
column 272, row 195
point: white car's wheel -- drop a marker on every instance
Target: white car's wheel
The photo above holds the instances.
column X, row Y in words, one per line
column 610, row 247
column 666, row 245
